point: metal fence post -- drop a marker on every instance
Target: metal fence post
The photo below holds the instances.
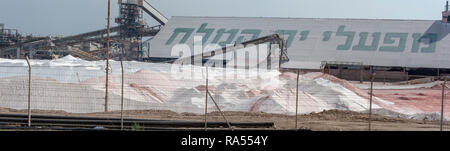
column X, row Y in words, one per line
column 442, row 103
column 370, row 99
column 296, row 101
column 206, row 99
column 121, row 100
column 107, row 57
column 361, row 74
column 218, row 108
column 29, row 92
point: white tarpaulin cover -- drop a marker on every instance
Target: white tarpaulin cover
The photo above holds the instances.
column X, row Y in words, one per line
column 75, row 85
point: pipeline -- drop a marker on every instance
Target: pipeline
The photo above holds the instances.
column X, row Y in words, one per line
column 114, row 123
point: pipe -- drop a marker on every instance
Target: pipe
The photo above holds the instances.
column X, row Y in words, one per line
column 185, row 124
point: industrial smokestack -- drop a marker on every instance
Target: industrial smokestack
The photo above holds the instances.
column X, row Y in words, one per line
column 446, row 7
column 446, row 14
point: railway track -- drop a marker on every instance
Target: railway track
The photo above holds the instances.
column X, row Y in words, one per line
column 19, row 121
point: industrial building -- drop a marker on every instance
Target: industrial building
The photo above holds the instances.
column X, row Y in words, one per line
column 313, row 43
column 349, row 48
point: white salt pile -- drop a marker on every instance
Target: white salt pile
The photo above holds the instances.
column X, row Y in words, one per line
column 75, row 85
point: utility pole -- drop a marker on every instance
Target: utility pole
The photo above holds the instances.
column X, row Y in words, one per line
column 107, row 57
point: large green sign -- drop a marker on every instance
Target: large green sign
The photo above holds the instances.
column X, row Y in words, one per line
column 383, row 42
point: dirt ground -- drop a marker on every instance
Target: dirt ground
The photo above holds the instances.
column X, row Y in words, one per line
column 332, row 120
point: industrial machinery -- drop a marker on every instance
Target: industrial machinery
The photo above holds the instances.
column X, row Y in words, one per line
column 271, row 40
column 8, row 37
column 126, row 37
column 133, row 27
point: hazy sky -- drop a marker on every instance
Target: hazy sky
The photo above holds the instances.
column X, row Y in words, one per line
column 66, row 17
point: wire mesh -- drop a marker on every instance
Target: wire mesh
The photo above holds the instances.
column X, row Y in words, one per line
column 168, row 91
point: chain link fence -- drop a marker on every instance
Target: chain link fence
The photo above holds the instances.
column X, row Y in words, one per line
column 293, row 99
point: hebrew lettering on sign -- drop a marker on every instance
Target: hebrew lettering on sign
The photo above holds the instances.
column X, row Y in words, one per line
column 176, row 32
column 368, row 41
column 419, row 39
column 390, row 38
column 363, row 40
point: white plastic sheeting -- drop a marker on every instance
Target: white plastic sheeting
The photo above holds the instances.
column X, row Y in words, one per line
column 74, row 85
